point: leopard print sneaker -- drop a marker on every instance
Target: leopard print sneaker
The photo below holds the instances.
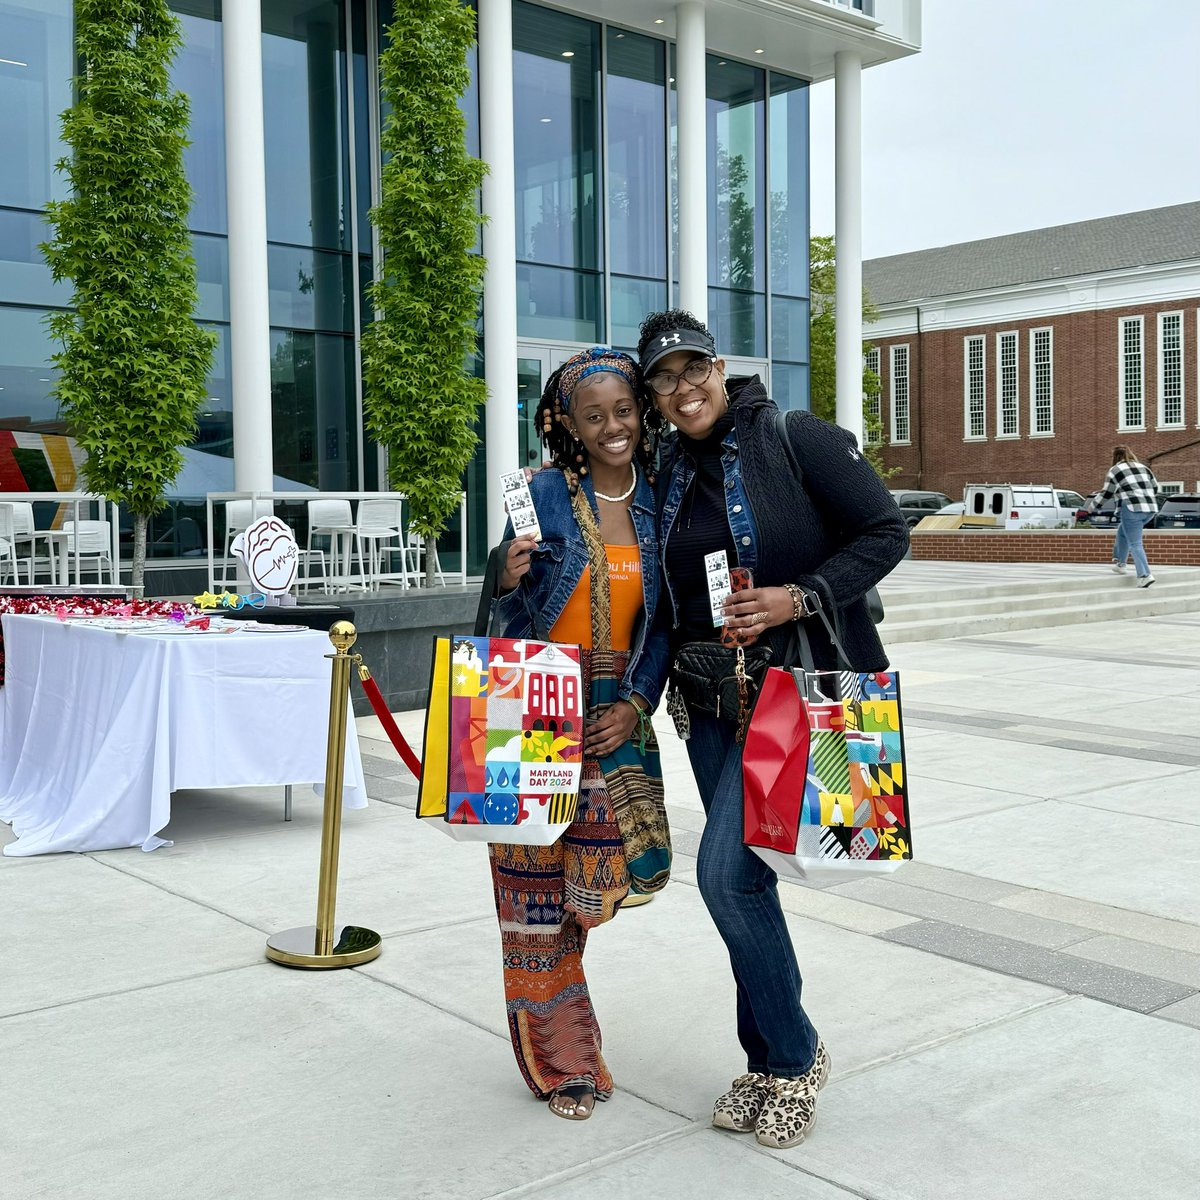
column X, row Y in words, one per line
column 738, row 1109
column 790, row 1106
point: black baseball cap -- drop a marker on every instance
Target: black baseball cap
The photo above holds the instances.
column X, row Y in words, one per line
column 671, row 340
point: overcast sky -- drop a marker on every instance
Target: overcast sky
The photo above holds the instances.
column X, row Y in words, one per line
column 1019, row 114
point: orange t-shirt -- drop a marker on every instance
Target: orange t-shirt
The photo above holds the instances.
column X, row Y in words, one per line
column 574, row 623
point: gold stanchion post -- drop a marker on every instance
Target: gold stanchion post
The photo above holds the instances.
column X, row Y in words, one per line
column 327, row 944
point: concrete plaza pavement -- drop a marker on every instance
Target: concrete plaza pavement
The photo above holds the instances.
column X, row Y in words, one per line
column 1016, row 1015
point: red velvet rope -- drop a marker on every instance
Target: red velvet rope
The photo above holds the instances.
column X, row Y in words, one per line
column 410, row 760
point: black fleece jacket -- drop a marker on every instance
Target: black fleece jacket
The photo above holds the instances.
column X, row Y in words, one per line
column 835, row 531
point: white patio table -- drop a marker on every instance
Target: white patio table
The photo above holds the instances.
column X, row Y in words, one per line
column 99, row 727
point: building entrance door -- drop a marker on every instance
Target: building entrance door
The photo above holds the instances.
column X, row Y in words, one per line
column 535, row 364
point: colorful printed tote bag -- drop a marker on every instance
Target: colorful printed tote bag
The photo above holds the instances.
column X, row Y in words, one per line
column 823, row 773
column 503, row 740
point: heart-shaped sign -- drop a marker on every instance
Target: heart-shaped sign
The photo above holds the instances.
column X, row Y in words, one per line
column 268, row 548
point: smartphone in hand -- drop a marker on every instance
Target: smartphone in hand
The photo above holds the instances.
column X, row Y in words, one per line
column 740, row 578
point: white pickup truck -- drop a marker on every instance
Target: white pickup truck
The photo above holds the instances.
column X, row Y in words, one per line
column 1023, row 505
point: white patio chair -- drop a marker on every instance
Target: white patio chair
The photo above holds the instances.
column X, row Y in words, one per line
column 94, row 541
column 379, row 521
column 8, row 545
column 239, row 514
column 333, row 519
column 414, row 547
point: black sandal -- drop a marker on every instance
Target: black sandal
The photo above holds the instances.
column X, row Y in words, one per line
column 575, row 1092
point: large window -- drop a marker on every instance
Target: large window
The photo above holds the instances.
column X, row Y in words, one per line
column 873, row 401
column 556, row 115
column 1170, row 370
column 1131, row 412
column 737, row 306
column 636, row 137
column 1041, row 382
column 787, row 238
column 974, row 388
column 1008, row 416
column 899, row 395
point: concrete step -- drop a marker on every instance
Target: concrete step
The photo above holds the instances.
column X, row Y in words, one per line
column 897, row 596
column 1110, row 607
column 1114, row 590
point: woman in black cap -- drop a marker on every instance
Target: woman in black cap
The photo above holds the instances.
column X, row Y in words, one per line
column 816, row 528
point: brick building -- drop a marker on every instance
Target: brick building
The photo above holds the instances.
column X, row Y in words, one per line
column 1025, row 358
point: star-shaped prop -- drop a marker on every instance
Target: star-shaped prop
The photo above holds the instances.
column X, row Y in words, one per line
column 206, row 600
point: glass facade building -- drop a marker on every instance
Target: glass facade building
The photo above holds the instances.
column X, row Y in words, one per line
column 597, row 212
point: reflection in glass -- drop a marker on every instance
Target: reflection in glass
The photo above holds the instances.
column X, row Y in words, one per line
column 564, row 306
column 24, row 276
column 310, row 289
column 529, row 394
column 26, row 375
column 789, row 329
column 214, row 422
column 313, row 409
column 738, row 322
column 637, row 202
column 212, row 277
column 198, row 72
column 630, row 300
column 556, row 123
column 790, row 385
column 788, row 186
column 736, row 132
column 304, row 120
column 36, row 44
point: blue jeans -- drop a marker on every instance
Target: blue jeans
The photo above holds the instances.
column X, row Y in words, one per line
column 1129, row 539
column 739, row 890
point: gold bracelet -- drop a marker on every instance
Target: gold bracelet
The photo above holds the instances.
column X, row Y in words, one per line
column 797, row 594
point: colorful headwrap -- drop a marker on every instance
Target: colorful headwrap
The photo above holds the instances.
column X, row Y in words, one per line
column 589, row 362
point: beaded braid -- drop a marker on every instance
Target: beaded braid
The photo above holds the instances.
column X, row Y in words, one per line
column 567, row 452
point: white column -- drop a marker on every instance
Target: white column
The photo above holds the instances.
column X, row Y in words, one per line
column 500, row 250
column 847, row 75
column 691, row 87
column 246, row 200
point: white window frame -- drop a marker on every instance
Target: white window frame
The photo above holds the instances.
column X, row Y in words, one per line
column 1171, row 488
column 1123, row 398
column 974, row 402
column 894, row 401
column 1012, row 338
column 1034, row 431
column 1163, row 317
column 872, row 360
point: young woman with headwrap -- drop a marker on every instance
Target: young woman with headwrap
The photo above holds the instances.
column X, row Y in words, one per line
column 592, row 580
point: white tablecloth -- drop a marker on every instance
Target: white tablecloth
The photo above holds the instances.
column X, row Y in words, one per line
column 100, row 727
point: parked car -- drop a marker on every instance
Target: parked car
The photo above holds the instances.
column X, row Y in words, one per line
column 1105, row 516
column 914, row 506
column 1179, row 511
column 1021, row 505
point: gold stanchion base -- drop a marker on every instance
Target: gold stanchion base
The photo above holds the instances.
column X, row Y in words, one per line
column 297, row 947
column 636, row 899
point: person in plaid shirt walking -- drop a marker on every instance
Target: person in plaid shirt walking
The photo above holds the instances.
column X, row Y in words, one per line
column 1133, row 486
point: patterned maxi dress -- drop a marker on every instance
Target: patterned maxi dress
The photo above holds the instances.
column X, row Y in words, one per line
column 549, row 897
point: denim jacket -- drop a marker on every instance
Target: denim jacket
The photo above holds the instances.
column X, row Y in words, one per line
column 557, row 566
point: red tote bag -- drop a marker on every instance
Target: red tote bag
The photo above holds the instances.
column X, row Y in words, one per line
column 774, row 765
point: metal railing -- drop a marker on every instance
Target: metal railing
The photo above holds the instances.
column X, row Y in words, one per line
column 58, row 540
column 264, row 503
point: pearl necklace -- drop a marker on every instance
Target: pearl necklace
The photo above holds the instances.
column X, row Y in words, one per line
column 625, row 494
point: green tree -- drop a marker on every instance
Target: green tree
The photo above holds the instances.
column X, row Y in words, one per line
column 133, row 361
column 822, row 350
column 420, row 402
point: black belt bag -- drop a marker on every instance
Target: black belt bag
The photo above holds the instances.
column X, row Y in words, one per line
column 721, row 681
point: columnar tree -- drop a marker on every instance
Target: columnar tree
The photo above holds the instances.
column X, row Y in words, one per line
column 133, row 361
column 822, row 350
column 420, row 402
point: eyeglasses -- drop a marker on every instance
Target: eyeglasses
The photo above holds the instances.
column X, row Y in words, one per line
column 695, row 373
